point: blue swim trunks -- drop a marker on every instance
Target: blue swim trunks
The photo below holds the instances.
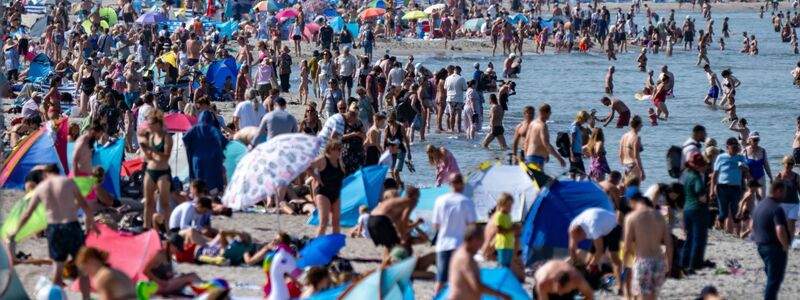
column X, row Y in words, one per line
column 713, row 92
column 534, row 159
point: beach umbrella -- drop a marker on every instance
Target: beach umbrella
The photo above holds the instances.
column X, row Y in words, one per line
column 269, row 5
column 320, row 251
column 433, row 8
column 269, row 166
column 309, row 29
column 179, row 122
column 87, row 25
column 151, row 18
column 287, row 14
column 515, row 18
column 372, row 13
column 109, row 15
column 330, row 12
column 417, row 14
column 377, row 4
column 474, row 24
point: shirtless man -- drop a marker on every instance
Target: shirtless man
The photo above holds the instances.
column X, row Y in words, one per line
column 465, row 281
column 389, row 222
column 645, row 232
column 642, row 60
column 630, row 148
column 669, row 84
column 82, row 158
column 193, row 47
column 610, row 81
column 713, row 83
column 617, row 106
column 61, row 200
column 557, row 278
column 537, row 141
column 610, row 186
column 520, row 132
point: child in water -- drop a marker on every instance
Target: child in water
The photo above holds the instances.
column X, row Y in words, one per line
column 653, row 116
column 721, row 44
column 610, row 81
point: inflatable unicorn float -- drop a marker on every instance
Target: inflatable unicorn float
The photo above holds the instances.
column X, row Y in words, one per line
column 277, row 265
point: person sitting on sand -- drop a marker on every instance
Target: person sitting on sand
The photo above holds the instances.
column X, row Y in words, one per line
column 108, row 283
column 191, row 214
column 159, row 268
column 617, row 106
column 317, row 279
column 557, row 278
column 465, row 283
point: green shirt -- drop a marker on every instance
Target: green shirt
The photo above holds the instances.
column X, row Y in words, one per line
column 503, row 240
column 695, row 188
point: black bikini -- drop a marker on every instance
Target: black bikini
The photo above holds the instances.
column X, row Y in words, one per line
column 155, row 175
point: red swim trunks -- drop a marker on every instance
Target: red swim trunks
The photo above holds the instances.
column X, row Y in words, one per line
column 623, row 119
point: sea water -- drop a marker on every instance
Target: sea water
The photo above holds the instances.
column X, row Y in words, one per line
column 574, row 82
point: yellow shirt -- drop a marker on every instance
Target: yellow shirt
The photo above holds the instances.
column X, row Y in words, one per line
column 503, row 240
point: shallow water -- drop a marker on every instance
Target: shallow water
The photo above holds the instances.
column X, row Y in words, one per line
column 573, row 82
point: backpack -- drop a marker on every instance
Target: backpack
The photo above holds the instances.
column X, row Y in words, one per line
column 563, row 144
column 674, row 167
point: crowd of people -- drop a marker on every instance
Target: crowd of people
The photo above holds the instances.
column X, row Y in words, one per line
column 370, row 110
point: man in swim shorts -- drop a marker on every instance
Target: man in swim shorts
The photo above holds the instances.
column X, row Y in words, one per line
column 388, row 223
column 645, row 232
column 537, row 140
column 713, row 83
column 559, row 279
column 60, row 197
column 617, row 106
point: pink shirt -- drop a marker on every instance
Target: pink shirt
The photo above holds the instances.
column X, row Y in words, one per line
column 447, row 165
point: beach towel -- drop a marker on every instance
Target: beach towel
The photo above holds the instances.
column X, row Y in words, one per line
column 205, row 146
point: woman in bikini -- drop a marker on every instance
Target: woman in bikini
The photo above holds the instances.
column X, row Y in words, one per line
column 660, row 97
column 630, row 148
column 157, row 175
column 328, row 173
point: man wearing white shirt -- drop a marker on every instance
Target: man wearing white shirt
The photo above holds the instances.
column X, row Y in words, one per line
column 396, row 75
column 693, row 144
column 455, row 86
column 347, row 67
column 452, row 213
column 249, row 113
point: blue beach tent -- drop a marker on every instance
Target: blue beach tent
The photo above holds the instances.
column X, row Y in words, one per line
column 547, row 222
column 361, row 188
column 40, row 69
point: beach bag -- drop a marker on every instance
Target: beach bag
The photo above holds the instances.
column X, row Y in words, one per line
column 131, row 186
column 674, row 161
column 563, row 144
